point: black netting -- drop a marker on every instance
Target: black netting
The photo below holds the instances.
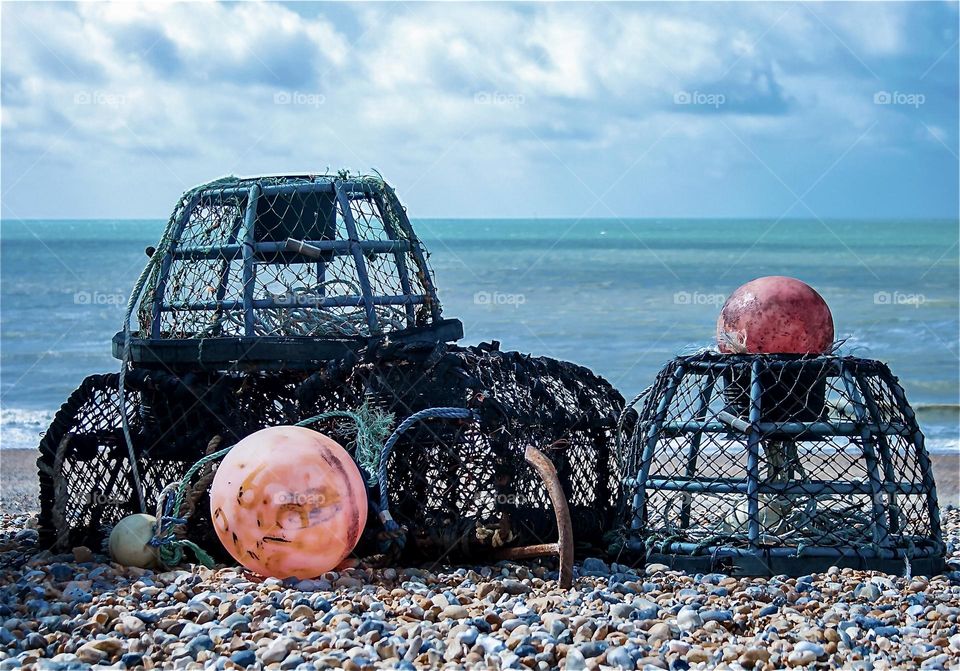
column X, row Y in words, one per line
column 329, row 256
column 462, row 488
column 775, row 451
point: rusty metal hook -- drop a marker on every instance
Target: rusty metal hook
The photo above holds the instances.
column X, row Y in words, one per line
column 563, row 548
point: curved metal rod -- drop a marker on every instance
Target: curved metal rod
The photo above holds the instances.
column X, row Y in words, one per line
column 564, row 546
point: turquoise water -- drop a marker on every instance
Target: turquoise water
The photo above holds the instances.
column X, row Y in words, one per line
column 621, row 297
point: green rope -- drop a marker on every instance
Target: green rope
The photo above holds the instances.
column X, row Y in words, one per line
column 169, row 547
column 372, row 427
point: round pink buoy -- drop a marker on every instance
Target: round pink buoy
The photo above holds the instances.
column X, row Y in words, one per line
column 288, row 502
column 775, row 314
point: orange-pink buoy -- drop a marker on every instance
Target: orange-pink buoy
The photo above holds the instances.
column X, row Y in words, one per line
column 288, row 502
column 775, row 315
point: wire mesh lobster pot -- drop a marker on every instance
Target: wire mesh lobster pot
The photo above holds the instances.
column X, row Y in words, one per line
column 276, row 271
column 461, row 488
column 780, row 464
column 271, row 300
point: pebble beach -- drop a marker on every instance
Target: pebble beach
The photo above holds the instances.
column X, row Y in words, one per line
column 78, row 610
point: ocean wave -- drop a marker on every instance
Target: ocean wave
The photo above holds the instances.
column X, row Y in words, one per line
column 20, row 428
column 942, row 445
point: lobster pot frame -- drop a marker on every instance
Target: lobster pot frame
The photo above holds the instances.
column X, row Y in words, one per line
column 280, row 271
column 462, row 489
column 780, row 464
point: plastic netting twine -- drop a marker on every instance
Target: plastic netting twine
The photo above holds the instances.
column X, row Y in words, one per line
column 371, row 427
column 299, row 319
column 830, row 516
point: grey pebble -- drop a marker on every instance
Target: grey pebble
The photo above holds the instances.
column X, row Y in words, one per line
column 575, row 660
column 619, row 658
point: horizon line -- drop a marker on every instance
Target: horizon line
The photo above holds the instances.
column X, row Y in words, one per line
column 911, row 218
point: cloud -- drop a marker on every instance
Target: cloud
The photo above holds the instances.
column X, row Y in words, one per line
column 125, row 93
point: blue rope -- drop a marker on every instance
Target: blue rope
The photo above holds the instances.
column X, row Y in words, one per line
column 430, row 413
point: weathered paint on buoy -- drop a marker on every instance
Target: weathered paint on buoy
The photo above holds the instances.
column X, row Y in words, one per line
column 775, row 314
column 288, row 502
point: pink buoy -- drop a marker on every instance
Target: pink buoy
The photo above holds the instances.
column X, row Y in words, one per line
column 288, row 502
column 775, row 314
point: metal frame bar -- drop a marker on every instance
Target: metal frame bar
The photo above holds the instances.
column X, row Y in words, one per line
column 810, row 551
column 398, row 255
column 808, row 429
column 299, row 302
column 886, row 456
column 249, row 272
column 165, row 266
column 880, row 533
column 214, row 193
column 730, row 361
column 933, row 507
column 227, row 263
column 653, row 434
column 359, row 259
column 416, row 249
column 693, row 453
column 733, row 486
column 335, row 247
column 753, row 457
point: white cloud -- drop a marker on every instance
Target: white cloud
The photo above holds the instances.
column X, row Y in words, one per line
column 191, row 91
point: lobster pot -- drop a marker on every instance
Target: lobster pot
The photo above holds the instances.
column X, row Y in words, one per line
column 463, row 489
column 780, row 464
column 86, row 481
column 274, row 272
column 460, row 487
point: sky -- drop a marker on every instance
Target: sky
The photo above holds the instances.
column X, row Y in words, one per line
column 760, row 110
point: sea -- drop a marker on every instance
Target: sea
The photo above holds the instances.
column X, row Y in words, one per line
column 619, row 296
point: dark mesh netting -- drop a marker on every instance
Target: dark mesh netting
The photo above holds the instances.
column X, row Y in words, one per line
column 462, row 488
column 327, row 256
column 771, row 457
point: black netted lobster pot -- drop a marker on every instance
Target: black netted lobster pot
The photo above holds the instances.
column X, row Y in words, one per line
column 273, row 272
column 271, row 300
column 773, row 464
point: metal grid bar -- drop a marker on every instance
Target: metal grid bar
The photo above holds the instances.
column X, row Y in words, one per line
column 358, row 258
column 249, row 271
column 796, row 429
column 753, row 458
column 161, row 285
column 416, row 250
column 879, row 526
column 886, row 457
column 335, row 247
column 304, row 301
column 933, row 507
column 398, row 255
column 639, row 501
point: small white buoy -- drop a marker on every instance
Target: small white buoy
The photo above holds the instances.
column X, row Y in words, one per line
column 129, row 541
